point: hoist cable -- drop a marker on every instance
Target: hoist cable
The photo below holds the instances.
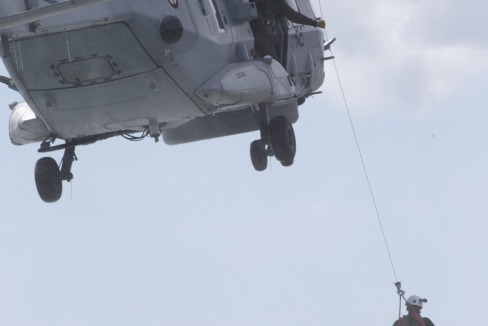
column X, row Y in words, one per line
column 363, row 163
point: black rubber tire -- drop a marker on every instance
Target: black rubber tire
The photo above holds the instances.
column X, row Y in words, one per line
column 48, row 180
column 259, row 158
column 287, row 163
column 282, row 138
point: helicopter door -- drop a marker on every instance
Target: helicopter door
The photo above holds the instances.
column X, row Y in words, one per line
column 280, row 34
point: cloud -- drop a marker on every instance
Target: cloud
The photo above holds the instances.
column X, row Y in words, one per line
column 453, row 21
column 408, row 56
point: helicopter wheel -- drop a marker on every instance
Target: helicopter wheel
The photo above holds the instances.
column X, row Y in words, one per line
column 48, row 180
column 282, row 138
column 259, row 157
column 287, row 163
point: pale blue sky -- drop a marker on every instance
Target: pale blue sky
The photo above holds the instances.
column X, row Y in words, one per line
column 150, row 234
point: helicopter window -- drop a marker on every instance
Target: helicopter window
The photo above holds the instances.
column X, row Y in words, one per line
column 316, row 8
column 293, row 4
column 303, row 7
column 217, row 16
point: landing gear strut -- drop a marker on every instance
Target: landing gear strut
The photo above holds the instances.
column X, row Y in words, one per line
column 49, row 177
column 277, row 139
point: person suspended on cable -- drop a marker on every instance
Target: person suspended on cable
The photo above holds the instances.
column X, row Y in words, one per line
column 265, row 28
column 414, row 307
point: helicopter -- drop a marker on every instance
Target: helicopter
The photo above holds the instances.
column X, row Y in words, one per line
column 183, row 71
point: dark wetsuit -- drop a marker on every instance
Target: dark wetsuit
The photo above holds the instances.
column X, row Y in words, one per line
column 270, row 12
column 410, row 321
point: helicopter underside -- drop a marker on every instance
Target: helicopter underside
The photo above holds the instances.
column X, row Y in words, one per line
column 98, row 80
column 178, row 72
column 88, row 82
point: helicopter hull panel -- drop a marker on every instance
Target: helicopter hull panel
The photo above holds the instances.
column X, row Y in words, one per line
column 89, row 81
column 85, row 111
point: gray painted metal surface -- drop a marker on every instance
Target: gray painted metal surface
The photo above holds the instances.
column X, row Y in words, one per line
column 105, row 68
column 42, row 12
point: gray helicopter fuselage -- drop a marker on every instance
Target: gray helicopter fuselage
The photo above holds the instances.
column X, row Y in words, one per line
column 183, row 67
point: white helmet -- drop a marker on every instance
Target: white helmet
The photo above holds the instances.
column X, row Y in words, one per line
column 415, row 300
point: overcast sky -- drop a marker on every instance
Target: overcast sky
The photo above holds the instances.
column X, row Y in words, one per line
column 149, row 234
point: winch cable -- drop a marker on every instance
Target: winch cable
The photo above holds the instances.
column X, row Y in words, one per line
column 364, row 168
column 361, row 156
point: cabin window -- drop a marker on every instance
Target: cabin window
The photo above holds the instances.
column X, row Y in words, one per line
column 293, row 4
column 316, row 9
column 303, row 7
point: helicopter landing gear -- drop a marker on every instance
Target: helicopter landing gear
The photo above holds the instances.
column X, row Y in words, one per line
column 48, row 180
column 282, row 138
column 259, row 155
column 49, row 177
column 277, row 139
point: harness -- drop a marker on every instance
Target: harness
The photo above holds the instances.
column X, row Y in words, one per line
column 410, row 321
column 267, row 25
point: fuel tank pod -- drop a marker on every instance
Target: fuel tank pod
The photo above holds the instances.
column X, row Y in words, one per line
column 25, row 127
column 245, row 83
